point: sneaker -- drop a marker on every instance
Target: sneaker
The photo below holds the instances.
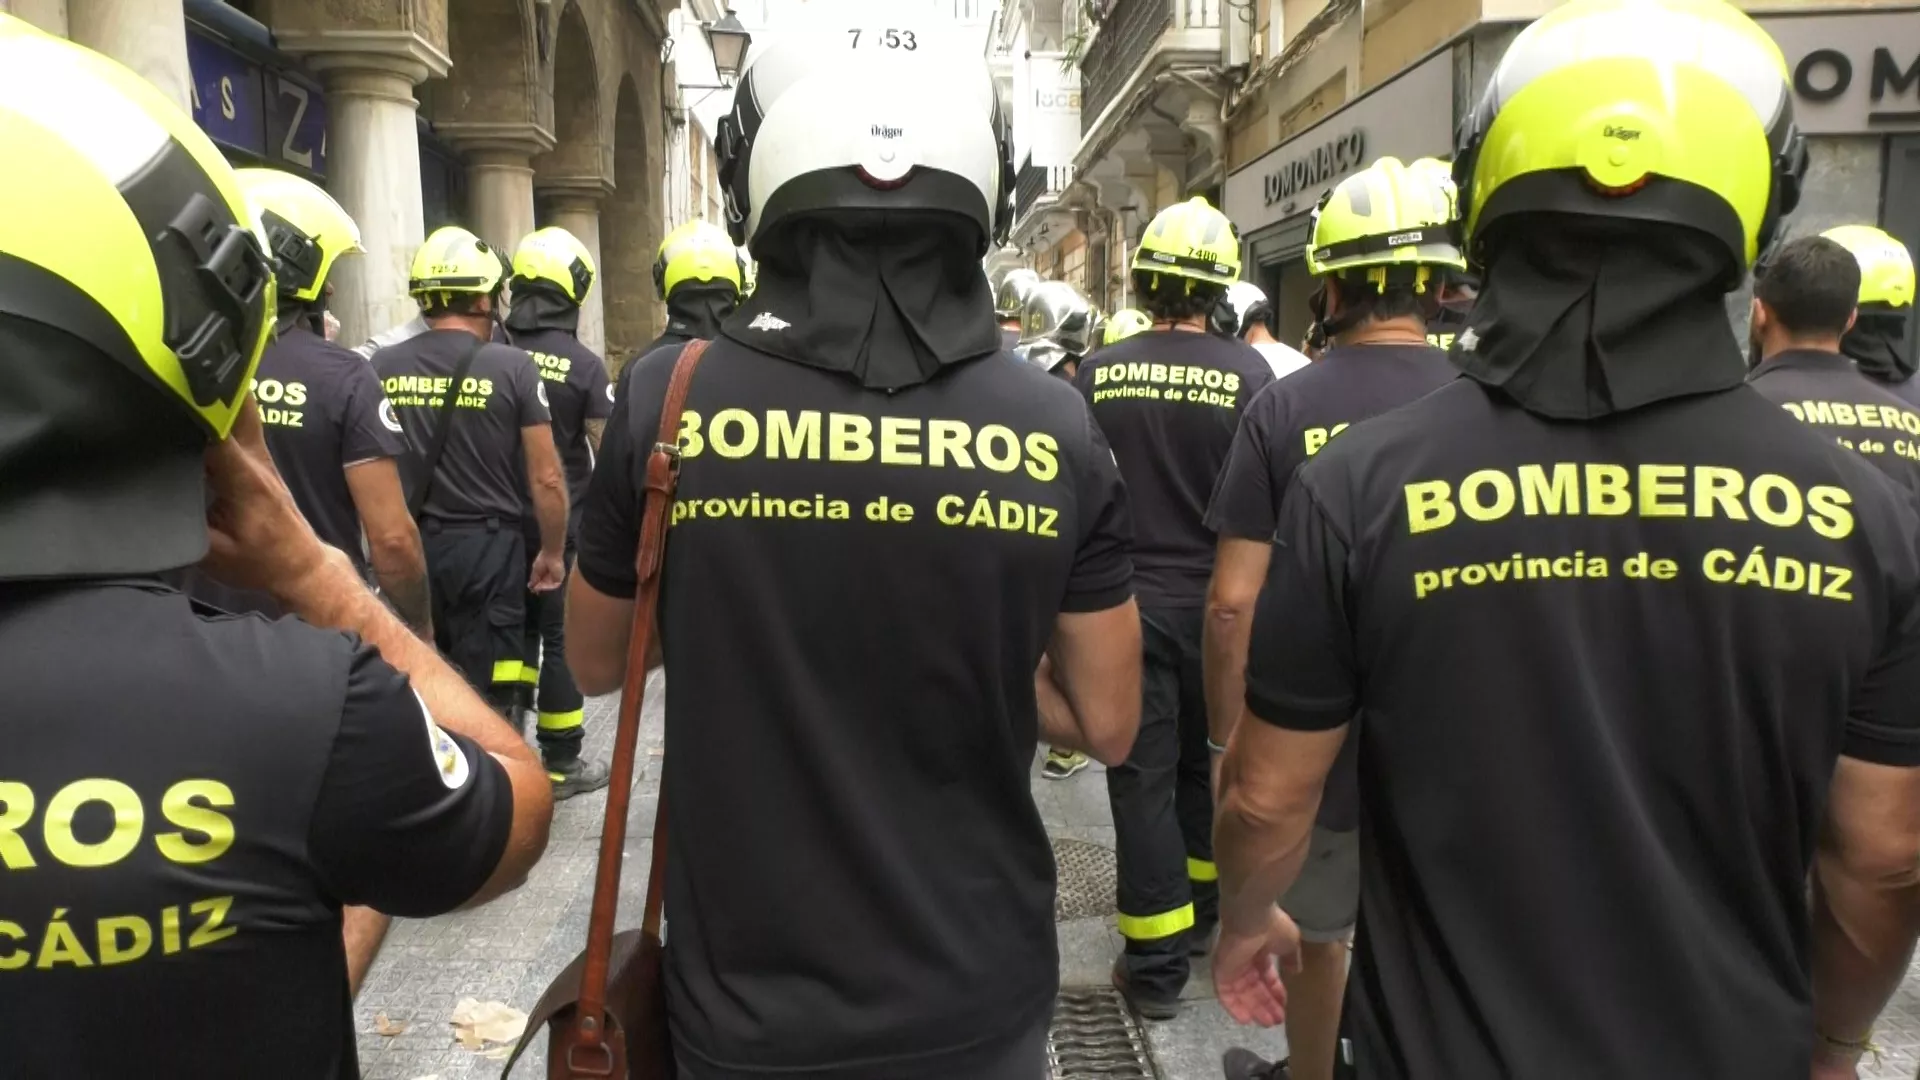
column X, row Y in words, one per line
column 1145, row 1005
column 1063, row 763
column 577, row 777
column 1238, row 1064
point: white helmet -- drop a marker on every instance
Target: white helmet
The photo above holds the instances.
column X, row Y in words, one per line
column 1243, row 305
column 863, row 106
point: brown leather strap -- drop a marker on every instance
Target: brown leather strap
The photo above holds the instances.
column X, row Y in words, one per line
column 663, row 477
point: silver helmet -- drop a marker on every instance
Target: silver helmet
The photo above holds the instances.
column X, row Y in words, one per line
column 1010, row 295
column 1043, row 354
column 1243, row 304
column 1056, row 312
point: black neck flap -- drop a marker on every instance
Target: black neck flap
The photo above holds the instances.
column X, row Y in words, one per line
column 1878, row 345
column 540, row 307
column 1583, row 317
column 889, row 299
column 696, row 310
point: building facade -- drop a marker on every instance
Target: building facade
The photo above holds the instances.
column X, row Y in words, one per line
column 500, row 115
column 1334, row 84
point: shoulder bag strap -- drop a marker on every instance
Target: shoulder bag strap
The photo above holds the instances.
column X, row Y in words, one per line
column 663, row 477
column 443, row 429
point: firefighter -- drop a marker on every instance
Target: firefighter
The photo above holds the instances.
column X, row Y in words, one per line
column 1010, row 302
column 1056, row 330
column 1629, row 651
column 1168, row 400
column 552, row 274
column 1376, row 296
column 1879, row 342
column 484, row 406
column 701, row 275
column 190, row 798
column 859, row 883
column 332, row 431
column 1124, row 324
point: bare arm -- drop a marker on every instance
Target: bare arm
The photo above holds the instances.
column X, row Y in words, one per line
column 595, row 429
column 1096, row 664
column 1866, row 895
column 599, row 630
column 259, row 540
column 393, row 541
column 1270, row 785
column 362, row 929
column 1239, row 570
column 547, row 484
column 1058, row 725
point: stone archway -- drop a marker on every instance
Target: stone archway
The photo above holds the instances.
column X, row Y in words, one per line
column 571, row 178
column 629, row 234
column 490, row 107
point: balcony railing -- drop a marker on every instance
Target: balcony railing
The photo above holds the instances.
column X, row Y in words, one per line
column 1117, row 52
column 1033, row 181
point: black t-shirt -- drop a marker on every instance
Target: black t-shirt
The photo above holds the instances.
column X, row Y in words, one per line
column 1907, row 390
column 577, row 391
column 482, row 474
column 626, row 370
column 179, row 844
column 1168, row 401
column 1009, row 337
column 323, row 411
column 1604, row 670
column 857, row 590
column 1288, row 423
column 1825, row 391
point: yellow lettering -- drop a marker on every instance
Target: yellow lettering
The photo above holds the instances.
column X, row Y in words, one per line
column 213, row 929
column 17, row 958
column 139, row 933
column 1540, row 495
column 1429, row 506
column 1827, row 515
column 734, row 446
column 1607, row 493
column 16, row 809
column 1043, row 462
column 791, row 440
column 1718, row 565
column 851, row 437
column 1718, row 486
column 1480, row 510
column 899, row 441
column 949, row 439
column 1659, row 482
column 129, row 819
column 179, row 806
column 1767, row 484
column 691, row 442
column 998, row 448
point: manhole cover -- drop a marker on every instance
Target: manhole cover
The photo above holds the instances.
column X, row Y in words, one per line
column 1095, row 1036
column 1086, row 880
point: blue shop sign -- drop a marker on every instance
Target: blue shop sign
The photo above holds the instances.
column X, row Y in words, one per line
column 274, row 115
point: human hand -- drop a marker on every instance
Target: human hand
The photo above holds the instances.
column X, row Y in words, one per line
column 257, row 538
column 1246, row 976
column 549, row 572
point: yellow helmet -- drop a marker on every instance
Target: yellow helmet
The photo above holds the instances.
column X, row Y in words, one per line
column 1886, row 266
column 697, row 251
column 125, row 228
column 1440, row 174
column 557, row 257
column 1124, row 324
column 306, row 229
column 454, row 260
column 1387, row 220
column 1664, row 111
column 1190, row 240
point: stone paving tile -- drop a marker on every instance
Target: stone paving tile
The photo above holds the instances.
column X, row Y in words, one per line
column 509, row 950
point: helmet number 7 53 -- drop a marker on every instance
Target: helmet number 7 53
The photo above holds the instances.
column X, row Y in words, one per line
column 889, row 39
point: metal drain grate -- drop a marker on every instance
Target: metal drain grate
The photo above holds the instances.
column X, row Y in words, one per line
column 1095, row 1036
column 1087, row 879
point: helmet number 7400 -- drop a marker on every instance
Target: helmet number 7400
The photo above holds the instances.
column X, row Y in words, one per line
column 888, row 39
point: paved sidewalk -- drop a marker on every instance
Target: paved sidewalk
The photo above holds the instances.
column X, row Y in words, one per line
column 508, row 950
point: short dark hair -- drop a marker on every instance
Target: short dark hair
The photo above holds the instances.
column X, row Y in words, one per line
column 1811, row 285
column 1363, row 302
column 439, row 305
column 1167, row 297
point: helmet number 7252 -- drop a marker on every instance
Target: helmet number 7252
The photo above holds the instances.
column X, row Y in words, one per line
column 888, row 39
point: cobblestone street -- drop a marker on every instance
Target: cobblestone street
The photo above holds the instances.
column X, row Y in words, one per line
column 508, row 950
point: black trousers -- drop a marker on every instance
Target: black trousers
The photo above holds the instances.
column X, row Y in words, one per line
column 559, row 708
column 478, row 574
column 1163, row 808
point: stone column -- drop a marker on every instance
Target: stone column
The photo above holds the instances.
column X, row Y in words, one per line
column 373, row 165
column 149, row 36
column 499, row 177
column 48, row 15
column 575, row 207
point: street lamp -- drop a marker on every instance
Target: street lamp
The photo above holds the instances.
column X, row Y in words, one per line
column 728, row 41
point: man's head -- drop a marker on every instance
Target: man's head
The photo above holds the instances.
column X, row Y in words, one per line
column 1055, row 312
column 1804, row 296
column 1878, row 340
column 844, row 125
column 1187, row 257
column 698, row 255
column 457, row 281
column 553, row 262
column 136, row 296
column 1010, row 295
column 1657, row 113
column 1244, row 313
column 306, row 232
column 1383, row 247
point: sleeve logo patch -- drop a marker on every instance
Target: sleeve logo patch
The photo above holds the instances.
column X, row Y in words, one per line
column 390, row 419
column 447, row 757
column 540, row 391
column 609, row 391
